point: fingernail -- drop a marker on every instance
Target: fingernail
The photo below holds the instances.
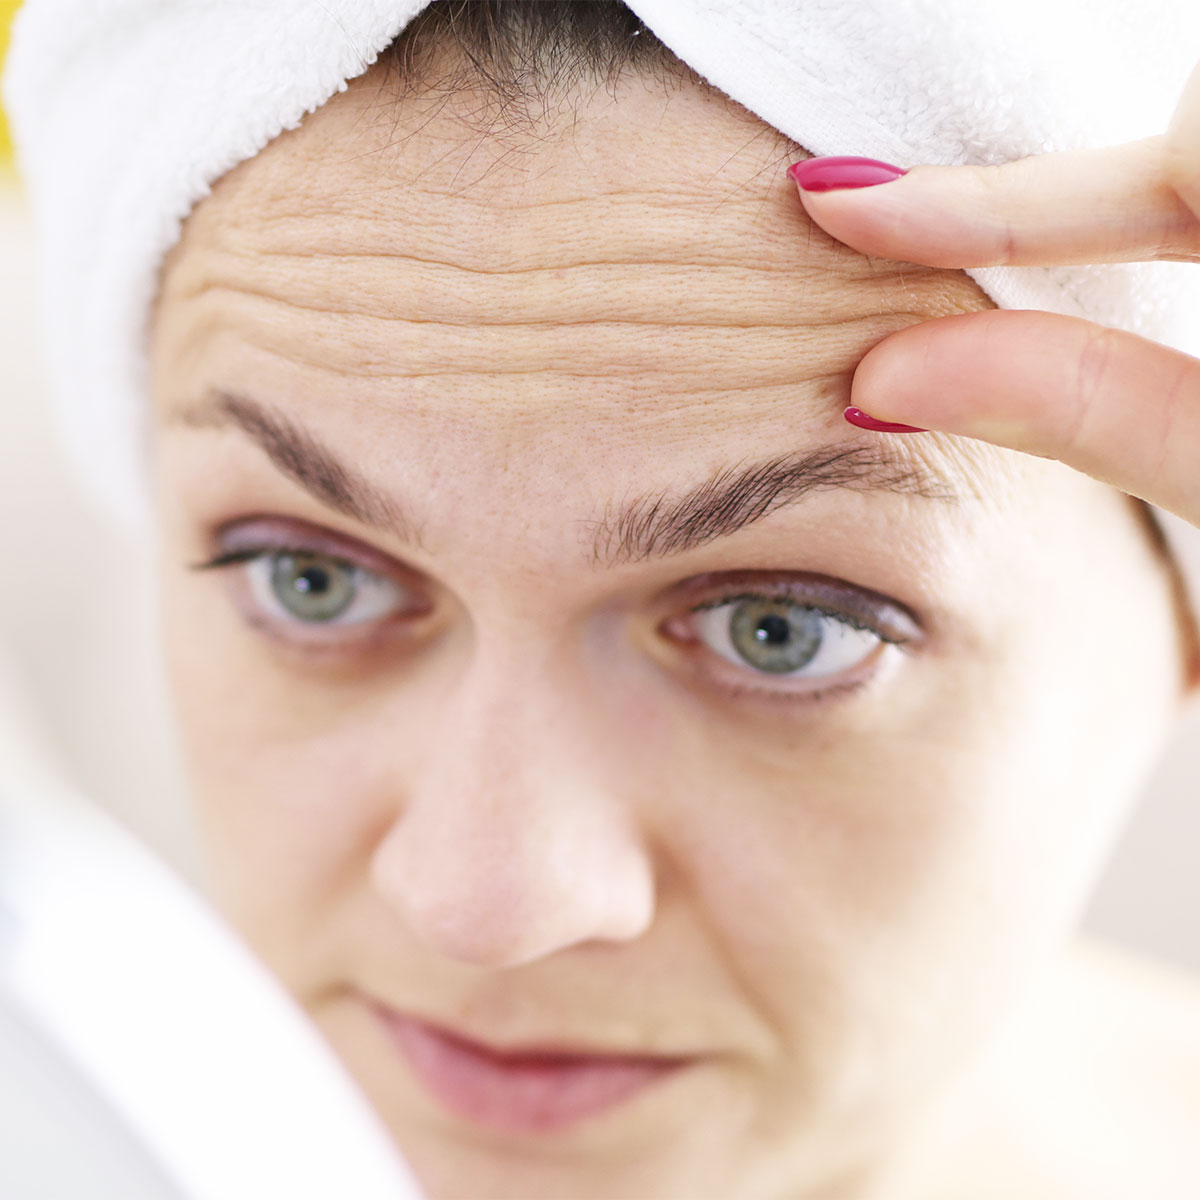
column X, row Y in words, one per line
column 856, row 416
column 837, row 171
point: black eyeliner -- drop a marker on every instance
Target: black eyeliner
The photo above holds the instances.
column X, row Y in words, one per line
column 230, row 559
column 798, row 600
column 249, row 553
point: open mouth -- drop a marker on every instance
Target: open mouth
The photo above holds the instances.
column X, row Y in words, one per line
column 519, row 1092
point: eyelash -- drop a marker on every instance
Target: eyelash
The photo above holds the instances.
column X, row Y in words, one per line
column 780, row 594
column 269, row 625
column 802, row 600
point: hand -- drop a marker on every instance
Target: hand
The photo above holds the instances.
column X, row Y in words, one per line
column 1119, row 407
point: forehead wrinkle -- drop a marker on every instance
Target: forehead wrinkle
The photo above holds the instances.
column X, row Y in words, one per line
column 414, row 286
column 621, row 227
column 591, row 321
column 556, row 311
column 644, row 239
column 666, row 352
column 356, row 267
column 284, row 195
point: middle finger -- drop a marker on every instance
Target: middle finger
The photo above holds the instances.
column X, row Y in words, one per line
column 1112, row 204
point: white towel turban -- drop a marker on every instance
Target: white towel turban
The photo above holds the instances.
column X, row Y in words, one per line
column 125, row 112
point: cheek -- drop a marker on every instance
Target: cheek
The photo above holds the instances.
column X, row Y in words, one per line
column 885, row 895
column 845, row 896
column 278, row 780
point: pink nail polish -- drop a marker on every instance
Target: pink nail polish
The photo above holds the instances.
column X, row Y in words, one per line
column 856, row 416
column 838, row 171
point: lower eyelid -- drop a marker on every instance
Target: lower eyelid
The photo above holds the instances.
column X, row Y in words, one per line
column 337, row 645
column 791, row 696
column 744, row 687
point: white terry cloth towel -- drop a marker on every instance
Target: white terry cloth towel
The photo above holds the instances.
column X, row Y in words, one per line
column 145, row 1051
column 125, row 112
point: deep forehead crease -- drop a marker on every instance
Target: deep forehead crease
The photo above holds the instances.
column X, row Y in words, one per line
column 483, row 234
column 777, row 286
column 656, row 524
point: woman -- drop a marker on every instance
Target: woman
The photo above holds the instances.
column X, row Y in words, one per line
column 650, row 784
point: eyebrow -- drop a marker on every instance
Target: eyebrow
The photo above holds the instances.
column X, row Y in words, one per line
column 655, row 525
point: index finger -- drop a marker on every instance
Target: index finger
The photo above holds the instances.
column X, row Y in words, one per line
column 1114, row 405
column 1113, row 204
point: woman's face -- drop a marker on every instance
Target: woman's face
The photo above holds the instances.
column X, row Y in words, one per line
column 616, row 693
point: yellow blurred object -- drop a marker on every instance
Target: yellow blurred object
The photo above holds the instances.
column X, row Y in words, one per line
column 8, row 9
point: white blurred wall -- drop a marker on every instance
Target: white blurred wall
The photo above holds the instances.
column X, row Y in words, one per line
column 75, row 617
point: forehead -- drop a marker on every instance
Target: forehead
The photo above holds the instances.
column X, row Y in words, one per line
column 633, row 266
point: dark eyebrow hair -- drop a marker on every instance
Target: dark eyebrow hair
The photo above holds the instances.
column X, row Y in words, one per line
column 302, row 458
column 656, row 525
column 660, row 525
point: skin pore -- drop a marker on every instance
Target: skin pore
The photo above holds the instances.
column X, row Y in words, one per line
column 553, row 390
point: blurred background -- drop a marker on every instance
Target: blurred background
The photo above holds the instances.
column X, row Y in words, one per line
column 7, row 9
column 77, row 641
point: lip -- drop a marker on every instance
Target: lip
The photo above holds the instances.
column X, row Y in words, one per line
column 528, row 1090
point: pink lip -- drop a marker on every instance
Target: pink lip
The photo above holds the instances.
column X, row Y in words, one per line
column 524, row 1093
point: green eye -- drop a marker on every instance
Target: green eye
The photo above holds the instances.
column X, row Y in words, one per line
column 775, row 636
column 311, row 586
column 319, row 589
column 778, row 636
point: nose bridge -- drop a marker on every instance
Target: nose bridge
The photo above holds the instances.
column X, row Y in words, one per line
column 510, row 844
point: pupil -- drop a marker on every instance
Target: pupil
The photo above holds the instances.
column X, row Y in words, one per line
column 312, row 580
column 773, row 630
column 313, row 588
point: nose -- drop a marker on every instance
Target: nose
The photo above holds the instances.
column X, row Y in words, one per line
column 511, row 844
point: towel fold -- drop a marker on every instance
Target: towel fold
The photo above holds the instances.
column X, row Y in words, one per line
column 126, row 112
